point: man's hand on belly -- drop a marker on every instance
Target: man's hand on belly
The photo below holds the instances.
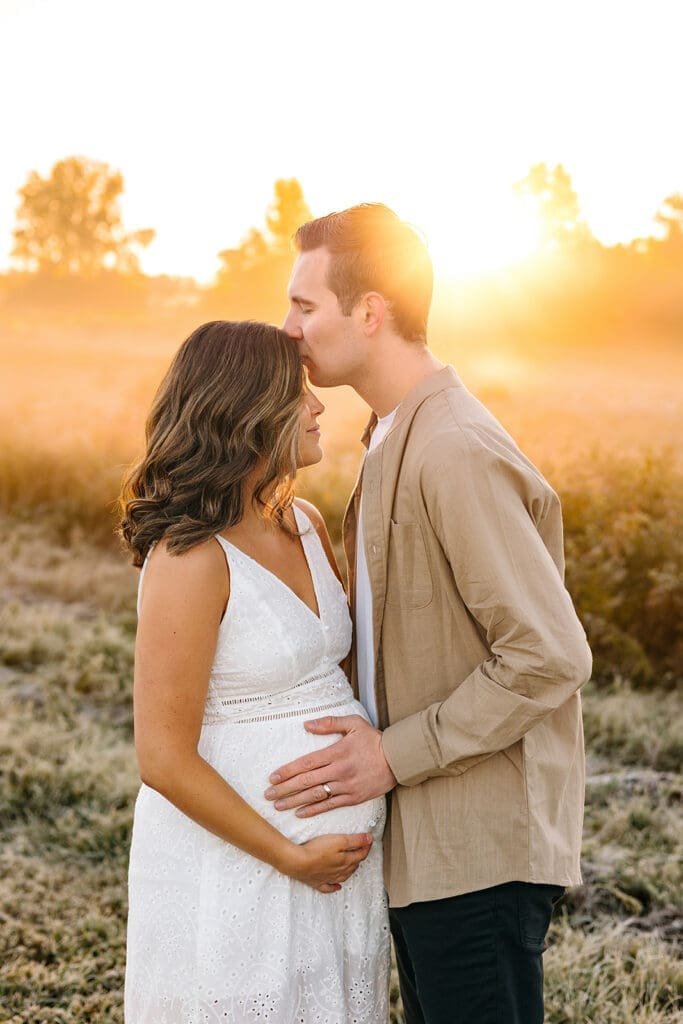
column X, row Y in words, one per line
column 354, row 769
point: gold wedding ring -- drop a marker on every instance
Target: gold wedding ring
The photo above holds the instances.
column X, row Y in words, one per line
column 328, row 791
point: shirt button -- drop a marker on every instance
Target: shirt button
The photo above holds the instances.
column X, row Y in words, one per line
column 374, row 549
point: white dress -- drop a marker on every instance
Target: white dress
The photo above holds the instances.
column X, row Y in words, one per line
column 216, row 936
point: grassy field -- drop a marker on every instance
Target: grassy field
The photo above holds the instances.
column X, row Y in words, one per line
column 68, row 782
column 602, row 430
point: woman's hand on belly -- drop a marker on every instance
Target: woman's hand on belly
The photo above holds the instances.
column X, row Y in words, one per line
column 327, row 861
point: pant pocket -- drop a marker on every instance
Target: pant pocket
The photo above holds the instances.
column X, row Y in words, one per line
column 535, row 909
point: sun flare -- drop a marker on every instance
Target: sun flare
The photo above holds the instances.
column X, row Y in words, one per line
column 468, row 242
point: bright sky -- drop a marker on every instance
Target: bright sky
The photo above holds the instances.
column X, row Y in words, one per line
column 433, row 107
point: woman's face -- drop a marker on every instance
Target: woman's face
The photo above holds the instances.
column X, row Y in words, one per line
column 310, row 451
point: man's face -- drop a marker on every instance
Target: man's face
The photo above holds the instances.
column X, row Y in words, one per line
column 332, row 348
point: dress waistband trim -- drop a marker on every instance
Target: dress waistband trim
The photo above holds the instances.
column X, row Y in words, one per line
column 298, row 712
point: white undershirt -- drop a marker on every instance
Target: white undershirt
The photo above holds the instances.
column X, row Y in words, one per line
column 365, row 643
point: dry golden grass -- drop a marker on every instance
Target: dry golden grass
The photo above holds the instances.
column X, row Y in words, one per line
column 78, row 398
column 68, row 781
column 611, row 975
column 88, row 389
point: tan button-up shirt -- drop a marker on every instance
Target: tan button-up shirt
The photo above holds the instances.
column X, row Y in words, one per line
column 478, row 651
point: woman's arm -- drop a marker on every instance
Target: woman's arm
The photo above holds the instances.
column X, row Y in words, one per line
column 183, row 599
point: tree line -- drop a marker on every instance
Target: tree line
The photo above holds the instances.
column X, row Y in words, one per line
column 69, row 223
column 70, row 243
column 71, row 246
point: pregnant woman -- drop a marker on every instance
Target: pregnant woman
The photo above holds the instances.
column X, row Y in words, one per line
column 238, row 912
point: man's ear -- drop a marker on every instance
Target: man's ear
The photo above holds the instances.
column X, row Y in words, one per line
column 372, row 311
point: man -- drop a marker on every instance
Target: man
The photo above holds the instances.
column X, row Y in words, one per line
column 468, row 656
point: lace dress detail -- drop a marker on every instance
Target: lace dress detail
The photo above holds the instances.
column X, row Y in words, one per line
column 214, row 935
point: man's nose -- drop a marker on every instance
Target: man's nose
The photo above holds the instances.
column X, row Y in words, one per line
column 291, row 327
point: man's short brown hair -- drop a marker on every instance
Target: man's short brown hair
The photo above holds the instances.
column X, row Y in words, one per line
column 373, row 250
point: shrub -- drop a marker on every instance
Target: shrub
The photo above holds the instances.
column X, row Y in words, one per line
column 624, row 547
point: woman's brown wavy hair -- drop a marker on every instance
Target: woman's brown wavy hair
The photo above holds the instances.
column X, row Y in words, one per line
column 229, row 402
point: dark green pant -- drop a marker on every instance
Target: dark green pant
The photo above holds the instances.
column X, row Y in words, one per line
column 476, row 958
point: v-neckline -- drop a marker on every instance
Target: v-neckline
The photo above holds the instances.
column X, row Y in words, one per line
column 316, row 615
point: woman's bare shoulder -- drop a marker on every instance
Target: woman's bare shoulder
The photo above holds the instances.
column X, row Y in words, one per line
column 320, row 528
column 200, row 572
column 312, row 512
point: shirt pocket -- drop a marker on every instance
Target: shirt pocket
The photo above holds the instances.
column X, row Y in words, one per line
column 409, row 580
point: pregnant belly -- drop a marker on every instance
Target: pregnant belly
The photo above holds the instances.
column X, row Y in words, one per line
column 246, row 754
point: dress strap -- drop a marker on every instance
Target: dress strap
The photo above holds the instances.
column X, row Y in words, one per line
column 143, row 570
